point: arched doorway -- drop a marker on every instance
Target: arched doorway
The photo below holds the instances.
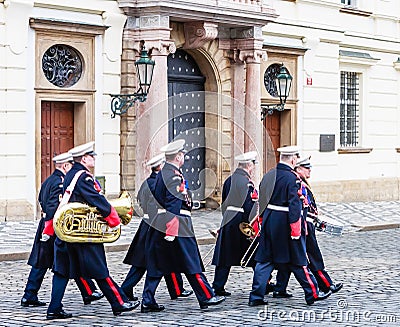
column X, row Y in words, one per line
column 186, row 116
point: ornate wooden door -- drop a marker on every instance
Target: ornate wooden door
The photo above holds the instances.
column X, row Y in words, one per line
column 186, row 116
column 57, row 135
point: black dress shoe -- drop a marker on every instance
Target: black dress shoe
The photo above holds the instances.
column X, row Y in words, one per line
column 186, row 293
column 151, row 308
column 213, row 301
column 336, row 287
column 33, row 303
column 58, row 315
column 222, row 293
column 321, row 296
column 96, row 295
column 255, row 303
column 127, row 306
column 133, row 298
column 270, row 288
column 281, row 295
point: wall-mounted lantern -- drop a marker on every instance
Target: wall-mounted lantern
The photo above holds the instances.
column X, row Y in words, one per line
column 283, row 82
column 120, row 103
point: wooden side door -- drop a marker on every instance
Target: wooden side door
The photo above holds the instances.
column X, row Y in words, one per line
column 272, row 136
column 57, row 132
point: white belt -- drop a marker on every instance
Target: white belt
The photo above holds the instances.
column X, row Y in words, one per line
column 310, row 220
column 182, row 212
column 277, row 208
column 185, row 212
column 232, row 208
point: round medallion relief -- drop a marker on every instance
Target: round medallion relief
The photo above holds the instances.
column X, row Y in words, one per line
column 62, row 65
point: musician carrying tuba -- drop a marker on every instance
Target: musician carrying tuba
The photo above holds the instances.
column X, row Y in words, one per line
column 84, row 214
column 87, row 259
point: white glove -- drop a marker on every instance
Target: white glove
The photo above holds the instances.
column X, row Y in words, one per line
column 169, row 238
column 106, row 228
column 45, row 237
column 114, row 228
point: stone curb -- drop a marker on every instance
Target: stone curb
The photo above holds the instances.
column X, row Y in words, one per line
column 377, row 226
column 24, row 255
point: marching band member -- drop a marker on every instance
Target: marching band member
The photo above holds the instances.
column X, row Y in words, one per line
column 239, row 204
column 42, row 255
column 136, row 252
column 316, row 262
column 171, row 244
column 281, row 243
column 88, row 259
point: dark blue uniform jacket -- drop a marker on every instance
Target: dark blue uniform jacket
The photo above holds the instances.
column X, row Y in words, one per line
column 278, row 187
column 85, row 259
column 316, row 262
column 49, row 198
column 136, row 252
column 182, row 254
column 231, row 243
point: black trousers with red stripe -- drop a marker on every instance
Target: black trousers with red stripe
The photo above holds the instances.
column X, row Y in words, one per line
column 113, row 293
column 323, row 279
column 307, row 281
column 86, row 286
column 302, row 274
column 174, row 282
column 198, row 282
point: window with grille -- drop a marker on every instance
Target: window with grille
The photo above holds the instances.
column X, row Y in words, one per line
column 349, row 109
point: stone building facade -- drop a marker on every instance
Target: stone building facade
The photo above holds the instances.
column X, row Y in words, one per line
column 212, row 59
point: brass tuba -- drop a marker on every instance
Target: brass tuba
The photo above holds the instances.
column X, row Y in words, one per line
column 78, row 223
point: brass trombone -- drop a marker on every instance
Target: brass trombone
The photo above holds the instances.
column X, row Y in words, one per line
column 253, row 234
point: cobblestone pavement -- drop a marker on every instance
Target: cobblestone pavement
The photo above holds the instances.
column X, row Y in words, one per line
column 17, row 237
column 367, row 263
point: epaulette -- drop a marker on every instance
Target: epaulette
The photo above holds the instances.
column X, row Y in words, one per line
column 89, row 178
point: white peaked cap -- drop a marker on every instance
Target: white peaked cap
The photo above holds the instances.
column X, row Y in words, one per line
column 62, row 158
column 156, row 161
column 289, row 150
column 247, row 157
column 174, row 147
column 81, row 150
column 304, row 162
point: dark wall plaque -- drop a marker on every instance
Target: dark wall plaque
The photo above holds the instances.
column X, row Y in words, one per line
column 326, row 142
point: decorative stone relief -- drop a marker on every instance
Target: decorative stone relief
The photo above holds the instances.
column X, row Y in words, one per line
column 251, row 56
column 252, row 32
column 132, row 22
column 199, row 33
column 147, row 21
column 153, row 21
column 157, row 47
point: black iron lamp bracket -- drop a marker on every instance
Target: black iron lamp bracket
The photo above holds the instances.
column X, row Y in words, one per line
column 120, row 103
column 268, row 109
